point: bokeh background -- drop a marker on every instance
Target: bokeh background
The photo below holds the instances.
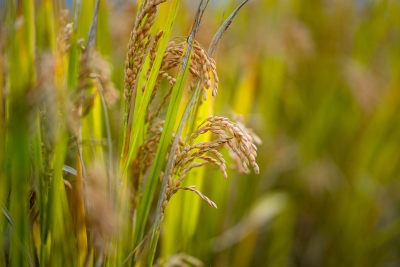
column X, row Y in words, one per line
column 319, row 82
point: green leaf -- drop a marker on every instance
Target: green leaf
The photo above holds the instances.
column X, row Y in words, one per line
column 139, row 116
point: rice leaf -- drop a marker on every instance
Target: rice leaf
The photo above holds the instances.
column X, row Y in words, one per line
column 21, row 79
column 166, row 135
column 138, row 117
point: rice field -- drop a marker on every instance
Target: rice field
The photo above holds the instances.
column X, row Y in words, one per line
column 199, row 133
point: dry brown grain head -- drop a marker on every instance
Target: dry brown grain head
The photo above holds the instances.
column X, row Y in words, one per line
column 242, row 144
column 44, row 95
column 234, row 136
column 101, row 216
column 64, row 35
column 139, row 41
column 101, row 69
column 92, row 67
column 153, row 50
column 191, row 188
column 202, row 67
column 180, row 260
column 240, row 121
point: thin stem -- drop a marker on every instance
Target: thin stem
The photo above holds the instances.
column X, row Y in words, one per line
column 109, row 142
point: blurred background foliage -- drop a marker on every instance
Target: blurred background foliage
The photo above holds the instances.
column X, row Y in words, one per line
column 319, row 82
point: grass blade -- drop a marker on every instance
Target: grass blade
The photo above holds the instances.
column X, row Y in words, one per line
column 139, row 116
column 168, row 130
column 21, row 80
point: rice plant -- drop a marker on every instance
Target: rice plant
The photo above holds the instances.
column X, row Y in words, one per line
column 75, row 190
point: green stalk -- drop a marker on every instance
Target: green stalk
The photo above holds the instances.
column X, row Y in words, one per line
column 168, row 131
column 59, row 222
column 21, row 79
column 3, row 180
column 139, row 116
